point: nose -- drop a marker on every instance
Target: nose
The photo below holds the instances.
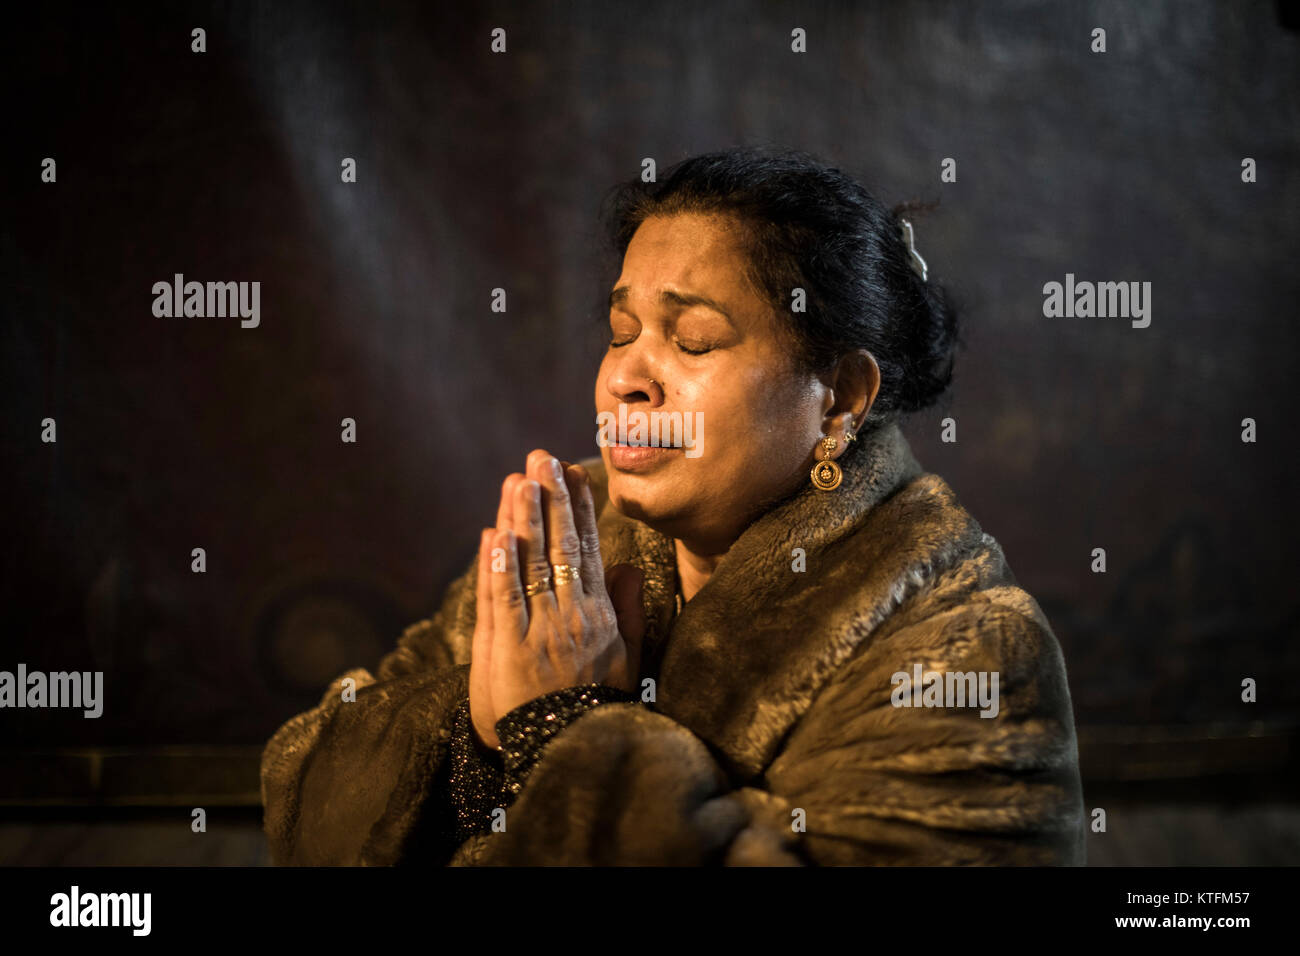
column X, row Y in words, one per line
column 630, row 382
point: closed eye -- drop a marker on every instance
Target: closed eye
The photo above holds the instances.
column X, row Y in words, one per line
column 616, row 344
column 691, row 351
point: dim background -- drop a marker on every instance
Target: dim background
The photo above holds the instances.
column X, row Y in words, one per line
column 479, row 170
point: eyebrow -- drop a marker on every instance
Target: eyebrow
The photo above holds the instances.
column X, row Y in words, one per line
column 681, row 300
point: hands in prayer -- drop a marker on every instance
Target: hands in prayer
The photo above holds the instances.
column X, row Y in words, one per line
column 548, row 615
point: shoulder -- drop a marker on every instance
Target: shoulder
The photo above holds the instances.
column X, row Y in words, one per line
column 958, row 601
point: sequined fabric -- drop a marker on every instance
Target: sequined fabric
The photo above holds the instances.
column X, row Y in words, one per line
column 527, row 728
column 483, row 780
column 476, row 780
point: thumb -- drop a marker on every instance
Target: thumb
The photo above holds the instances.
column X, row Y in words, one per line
column 624, row 582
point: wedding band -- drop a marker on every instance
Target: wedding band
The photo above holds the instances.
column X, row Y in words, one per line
column 537, row 587
column 565, row 574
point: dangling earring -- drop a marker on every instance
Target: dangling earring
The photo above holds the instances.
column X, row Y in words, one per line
column 826, row 475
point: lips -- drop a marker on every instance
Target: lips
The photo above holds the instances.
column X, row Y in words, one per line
column 639, row 458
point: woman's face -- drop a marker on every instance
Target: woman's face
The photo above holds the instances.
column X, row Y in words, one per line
column 690, row 336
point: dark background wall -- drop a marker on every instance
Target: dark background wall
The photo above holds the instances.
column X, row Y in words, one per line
column 479, row 170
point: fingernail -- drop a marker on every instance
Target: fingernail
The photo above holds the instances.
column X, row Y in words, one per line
column 536, row 491
column 556, row 470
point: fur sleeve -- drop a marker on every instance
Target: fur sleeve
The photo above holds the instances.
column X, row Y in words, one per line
column 352, row 783
column 622, row 785
column 858, row 781
column 888, row 784
column 349, row 781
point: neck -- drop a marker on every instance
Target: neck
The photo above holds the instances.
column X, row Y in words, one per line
column 694, row 567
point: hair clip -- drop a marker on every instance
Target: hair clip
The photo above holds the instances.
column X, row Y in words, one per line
column 918, row 264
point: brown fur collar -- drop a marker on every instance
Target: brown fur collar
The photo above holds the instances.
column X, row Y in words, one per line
column 753, row 647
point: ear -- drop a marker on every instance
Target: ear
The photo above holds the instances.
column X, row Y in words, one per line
column 854, row 384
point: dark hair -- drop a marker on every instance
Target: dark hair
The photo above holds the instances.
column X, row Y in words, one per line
column 808, row 225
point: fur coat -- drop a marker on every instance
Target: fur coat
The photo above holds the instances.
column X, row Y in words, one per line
column 775, row 735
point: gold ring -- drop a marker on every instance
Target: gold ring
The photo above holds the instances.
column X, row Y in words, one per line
column 565, row 574
column 537, row 587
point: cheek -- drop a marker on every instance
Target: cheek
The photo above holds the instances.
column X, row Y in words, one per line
column 753, row 420
column 727, row 395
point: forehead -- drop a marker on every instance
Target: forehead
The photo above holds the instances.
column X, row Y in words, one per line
column 692, row 251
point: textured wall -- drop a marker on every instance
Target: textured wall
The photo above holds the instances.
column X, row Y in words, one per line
column 479, row 170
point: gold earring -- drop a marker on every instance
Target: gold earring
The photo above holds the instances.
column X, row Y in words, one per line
column 826, row 475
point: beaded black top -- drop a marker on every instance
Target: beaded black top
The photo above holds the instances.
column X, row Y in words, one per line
column 481, row 781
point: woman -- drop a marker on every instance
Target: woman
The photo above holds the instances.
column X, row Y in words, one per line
column 779, row 642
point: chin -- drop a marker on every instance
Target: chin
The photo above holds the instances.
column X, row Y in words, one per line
column 638, row 498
